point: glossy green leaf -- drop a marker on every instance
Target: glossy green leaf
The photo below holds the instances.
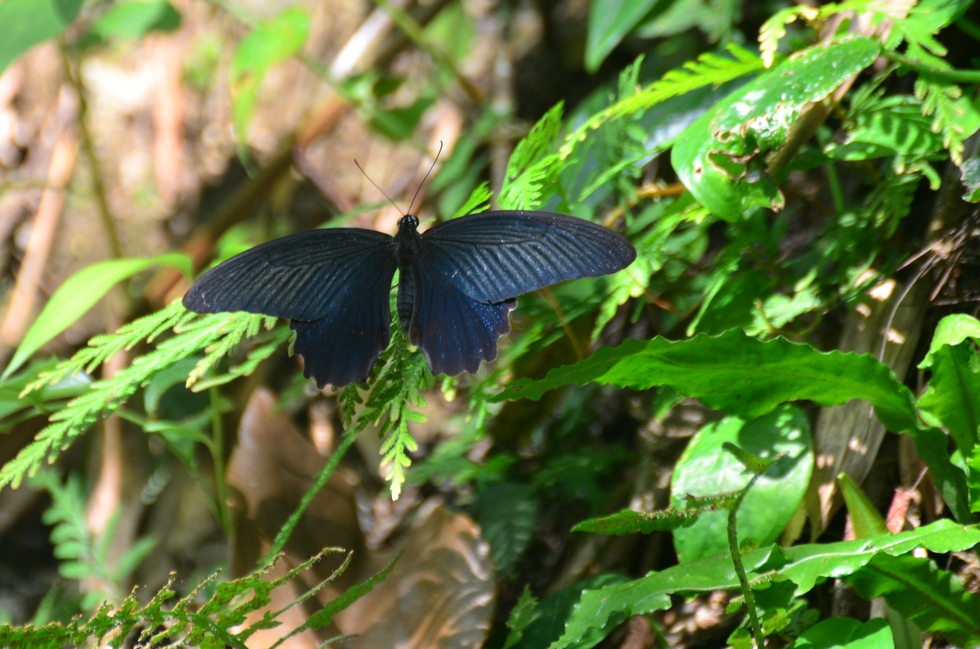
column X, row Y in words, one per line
column 846, row 633
column 934, row 599
column 79, row 293
column 269, row 45
column 973, row 479
column 26, row 23
column 865, row 519
column 721, row 158
column 952, row 399
column 601, row 610
column 135, row 18
column 970, row 175
column 706, row 469
column 951, row 330
column 609, row 22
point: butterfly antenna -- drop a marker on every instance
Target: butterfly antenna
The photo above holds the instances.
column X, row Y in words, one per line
column 422, row 184
column 376, row 185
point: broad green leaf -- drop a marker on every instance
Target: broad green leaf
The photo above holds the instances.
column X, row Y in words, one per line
column 865, row 519
column 26, row 23
column 934, row 599
column 609, row 22
column 721, row 158
column 134, row 18
column 601, row 610
column 952, row 399
column 846, row 633
column 951, row 330
column 742, row 376
column 79, row 293
column 553, row 610
column 737, row 374
column 973, row 478
column 706, row 469
column 270, row 44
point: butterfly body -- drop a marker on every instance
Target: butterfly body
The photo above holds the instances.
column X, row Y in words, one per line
column 458, row 283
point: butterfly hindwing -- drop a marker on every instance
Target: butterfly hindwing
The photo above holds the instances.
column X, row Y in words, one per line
column 454, row 331
column 303, row 276
column 343, row 346
column 494, row 256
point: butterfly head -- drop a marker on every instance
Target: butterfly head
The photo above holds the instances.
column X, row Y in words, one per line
column 408, row 223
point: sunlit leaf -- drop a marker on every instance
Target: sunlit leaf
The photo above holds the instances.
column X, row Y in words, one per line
column 705, row 469
column 135, row 18
column 270, row 44
column 79, row 293
column 609, row 22
column 26, row 23
column 847, row 633
column 601, row 610
column 721, row 158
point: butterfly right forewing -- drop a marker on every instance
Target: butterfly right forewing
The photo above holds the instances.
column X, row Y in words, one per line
column 498, row 255
column 303, row 276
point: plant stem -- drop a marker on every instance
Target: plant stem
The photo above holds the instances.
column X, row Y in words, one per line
column 321, row 480
column 217, row 455
column 743, row 581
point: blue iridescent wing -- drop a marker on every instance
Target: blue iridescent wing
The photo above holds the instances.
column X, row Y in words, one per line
column 469, row 270
column 332, row 284
column 494, row 256
column 454, row 331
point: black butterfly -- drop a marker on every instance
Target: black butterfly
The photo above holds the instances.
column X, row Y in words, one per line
column 458, row 283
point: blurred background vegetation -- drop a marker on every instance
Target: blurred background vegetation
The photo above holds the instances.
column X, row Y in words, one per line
column 141, row 140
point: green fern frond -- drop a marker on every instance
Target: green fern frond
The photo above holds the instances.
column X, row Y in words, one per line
column 218, row 332
column 81, row 555
column 531, row 164
column 245, row 328
column 709, row 69
column 103, row 347
column 397, row 398
column 918, row 31
column 939, row 102
column 774, row 29
column 214, row 625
